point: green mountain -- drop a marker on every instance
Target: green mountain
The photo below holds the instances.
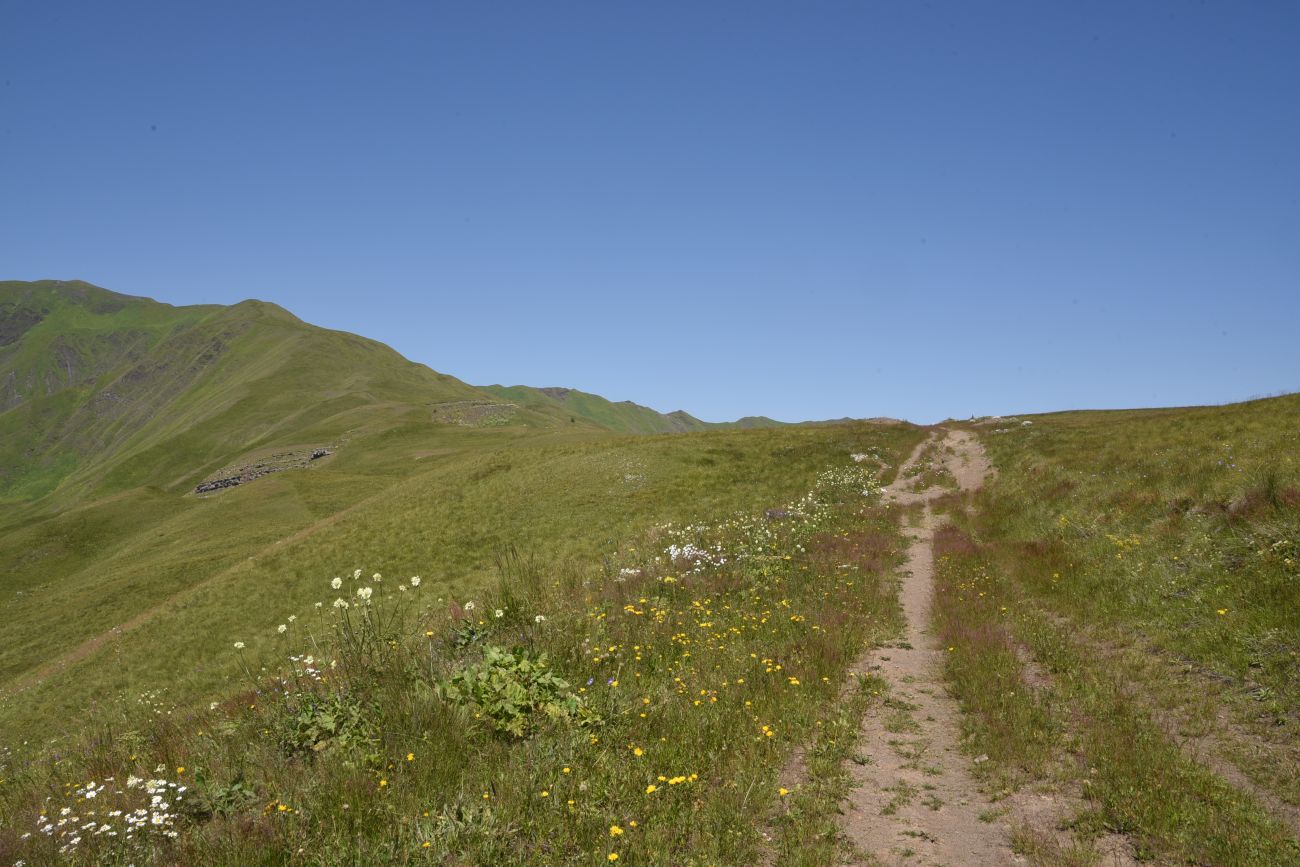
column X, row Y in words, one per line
column 101, row 392
column 622, row 416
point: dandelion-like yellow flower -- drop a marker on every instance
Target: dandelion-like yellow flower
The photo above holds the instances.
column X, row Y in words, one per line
column 651, row 789
column 613, row 856
column 783, row 791
column 615, row 831
column 410, row 757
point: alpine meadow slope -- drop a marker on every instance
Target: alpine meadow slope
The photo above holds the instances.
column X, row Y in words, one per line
column 274, row 594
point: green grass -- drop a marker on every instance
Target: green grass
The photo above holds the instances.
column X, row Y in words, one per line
column 1156, row 521
column 684, row 666
column 1123, row 570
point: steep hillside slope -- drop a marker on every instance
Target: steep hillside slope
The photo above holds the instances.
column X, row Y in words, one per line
column 101, row 392
column 622, row 416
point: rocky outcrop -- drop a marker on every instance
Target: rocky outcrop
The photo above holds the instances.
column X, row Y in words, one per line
column 231, row 477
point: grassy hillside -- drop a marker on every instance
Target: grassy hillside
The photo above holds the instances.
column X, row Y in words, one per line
column 466, row 626
column 590, row 527
column 101, row 393
column 623, row 416
column 1134, row 577
column 125, row 591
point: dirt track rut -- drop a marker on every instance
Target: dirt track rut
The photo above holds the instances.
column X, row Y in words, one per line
column 916, row 802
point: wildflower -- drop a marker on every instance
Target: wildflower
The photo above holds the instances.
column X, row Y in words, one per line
column 356, row 574
column 498, row 613
column 410, row 757
column 564, row 770
column 613, row 856
column 340, row 603
column 336, row 583
column 469, row 606
column 783, row 791
column 239, row 645
column 293, row 617
column 545, row 794
column 282, row 629
column 364, row 593
column 383, row 784
column 377, row 577
column 615, row 831
column 428, row 633
column 1222, row 611
column 651, row 789
column 539, row 619
column 415, row 580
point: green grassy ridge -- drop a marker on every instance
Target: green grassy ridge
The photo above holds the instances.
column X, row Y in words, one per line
column 622, row 416
column 161, row 395
column 566, row 498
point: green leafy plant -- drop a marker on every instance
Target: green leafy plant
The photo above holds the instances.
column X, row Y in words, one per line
column 512, row 689
column 322, row 722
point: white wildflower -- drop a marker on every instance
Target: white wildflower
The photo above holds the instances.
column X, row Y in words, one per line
column 415, row 580
column 282, row 629
column 340, row 603
column 541, row 618
column 498, row 613
column 364, row 593
column 469, row 606
column 336, row 583
column 239, row 645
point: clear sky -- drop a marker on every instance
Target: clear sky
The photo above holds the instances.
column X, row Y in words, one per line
column 798, row 209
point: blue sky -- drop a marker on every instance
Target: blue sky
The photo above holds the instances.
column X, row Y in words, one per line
column 803, row 210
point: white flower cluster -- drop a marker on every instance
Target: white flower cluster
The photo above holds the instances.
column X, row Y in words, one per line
column 696, row 548
column 141, row 809
column 692, row 558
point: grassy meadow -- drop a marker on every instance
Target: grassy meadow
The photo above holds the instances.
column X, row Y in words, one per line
column 1122, row 605
column 662, row 646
